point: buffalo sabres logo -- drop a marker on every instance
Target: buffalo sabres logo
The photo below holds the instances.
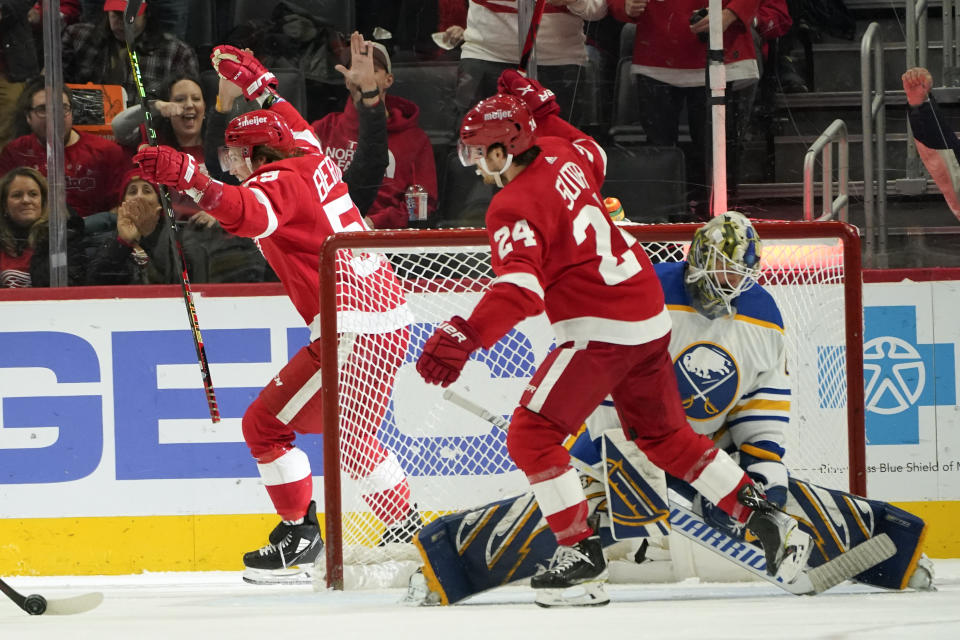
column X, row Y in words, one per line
column 708, row 378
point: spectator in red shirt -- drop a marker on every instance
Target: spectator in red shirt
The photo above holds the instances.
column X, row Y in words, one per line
column 410, row 154
column 669, row 56
column 93, row 164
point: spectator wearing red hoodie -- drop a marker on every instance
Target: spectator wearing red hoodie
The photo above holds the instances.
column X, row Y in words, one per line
column 410, row 160
column 93, row 165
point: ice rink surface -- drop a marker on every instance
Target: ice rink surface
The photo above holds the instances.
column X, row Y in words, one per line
column 185, row 606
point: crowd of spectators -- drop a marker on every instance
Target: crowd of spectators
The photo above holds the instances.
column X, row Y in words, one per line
column 116, row 222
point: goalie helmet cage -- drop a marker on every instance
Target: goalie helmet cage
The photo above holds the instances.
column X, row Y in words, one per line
column 455, row 460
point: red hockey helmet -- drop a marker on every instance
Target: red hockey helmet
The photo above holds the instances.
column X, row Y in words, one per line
column 501, row 118
column 260, row 127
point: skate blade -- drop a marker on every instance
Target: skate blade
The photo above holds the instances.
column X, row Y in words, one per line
column 301, row 574
column 585, row 594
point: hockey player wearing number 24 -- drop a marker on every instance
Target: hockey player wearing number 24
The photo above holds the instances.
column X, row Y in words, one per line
column 728, row 348
column 291, row 202
column 554, row 249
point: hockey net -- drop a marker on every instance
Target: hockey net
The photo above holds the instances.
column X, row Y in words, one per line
column 454, row 459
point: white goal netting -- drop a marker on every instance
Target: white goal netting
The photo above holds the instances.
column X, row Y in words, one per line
column 393, row 426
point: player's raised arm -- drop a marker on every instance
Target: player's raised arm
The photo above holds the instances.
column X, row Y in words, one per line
column 937, row 144
column 542, row 104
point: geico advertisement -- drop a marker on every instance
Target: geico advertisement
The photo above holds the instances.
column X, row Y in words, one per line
column 103, row 411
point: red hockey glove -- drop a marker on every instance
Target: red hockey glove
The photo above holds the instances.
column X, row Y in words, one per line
column 165, row 165
column 447, row 351
column 537, row 97
column 244, row 70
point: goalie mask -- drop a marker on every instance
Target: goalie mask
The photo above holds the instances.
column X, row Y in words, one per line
column 500, row 119
column 724, row 261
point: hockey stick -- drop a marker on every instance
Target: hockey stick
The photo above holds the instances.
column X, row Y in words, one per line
column 531, row 36
column 808, row 582
column 692, row 526
column 129, row 17
column 501, row 423
column 37, row 605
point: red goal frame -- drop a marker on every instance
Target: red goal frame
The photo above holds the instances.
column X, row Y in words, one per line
column 847, row 234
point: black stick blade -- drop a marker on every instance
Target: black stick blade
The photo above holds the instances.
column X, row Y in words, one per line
column 129, row 17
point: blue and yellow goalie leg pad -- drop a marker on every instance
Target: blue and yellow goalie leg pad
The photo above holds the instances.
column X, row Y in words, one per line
column 839, row 521
column 471, row 551
column 636, row 491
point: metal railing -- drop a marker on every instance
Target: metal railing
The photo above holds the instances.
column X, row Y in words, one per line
column 951, row 50
column 835, row 133
column 917, row 46
column 873, row 114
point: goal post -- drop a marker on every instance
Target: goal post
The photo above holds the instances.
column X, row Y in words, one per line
column 454, row 460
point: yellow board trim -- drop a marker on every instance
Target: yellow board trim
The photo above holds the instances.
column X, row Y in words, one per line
column 125, row 545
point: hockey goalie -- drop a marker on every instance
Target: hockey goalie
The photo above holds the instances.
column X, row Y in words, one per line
column 729, row 354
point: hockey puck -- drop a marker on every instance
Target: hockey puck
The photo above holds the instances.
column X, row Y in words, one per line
column 35, row 605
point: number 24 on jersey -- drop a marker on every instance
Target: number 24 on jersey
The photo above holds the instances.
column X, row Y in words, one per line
column 613, row 269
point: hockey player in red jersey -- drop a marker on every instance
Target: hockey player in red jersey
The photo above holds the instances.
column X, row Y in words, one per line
column 555, row 250
column 289, row 205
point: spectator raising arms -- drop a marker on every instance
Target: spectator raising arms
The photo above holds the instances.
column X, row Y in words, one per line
column 97, row 52
column 24, row 233
column 93, row 164
column 368, row 162
column 410, row 156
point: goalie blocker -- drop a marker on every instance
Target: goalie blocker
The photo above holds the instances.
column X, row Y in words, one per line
column 472, row 551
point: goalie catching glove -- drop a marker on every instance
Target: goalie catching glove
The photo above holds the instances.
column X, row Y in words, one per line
column 167, row 166
column 447, row 350
column 538, row 98
column 244, row 70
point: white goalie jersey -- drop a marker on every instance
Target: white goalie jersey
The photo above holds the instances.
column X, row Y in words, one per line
column 731, row 371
